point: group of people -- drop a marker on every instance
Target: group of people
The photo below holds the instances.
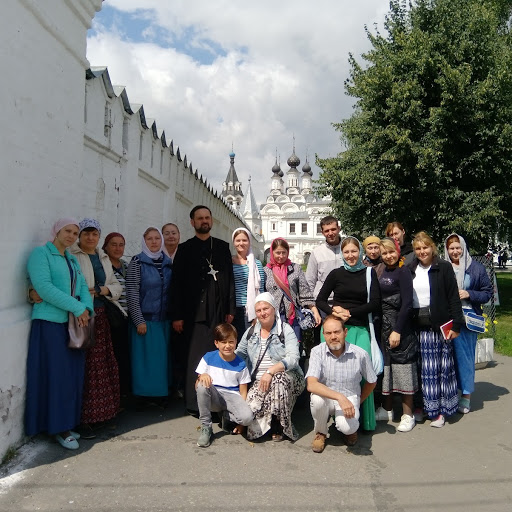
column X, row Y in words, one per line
column 226, row 332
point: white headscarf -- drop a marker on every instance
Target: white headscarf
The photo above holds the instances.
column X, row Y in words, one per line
column 267, row 297
column 145, row 249
column 465, row 260
column 253, row 282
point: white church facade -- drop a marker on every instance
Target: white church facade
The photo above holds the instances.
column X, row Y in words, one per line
column 291, row 210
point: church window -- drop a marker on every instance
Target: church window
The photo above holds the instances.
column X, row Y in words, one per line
column 274, row 226
column 292, row 228
column 304, row 229
column 318, row 229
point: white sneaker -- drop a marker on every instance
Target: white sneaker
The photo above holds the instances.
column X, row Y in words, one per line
column 406, row 423
column 438, row 422
column 382, row 415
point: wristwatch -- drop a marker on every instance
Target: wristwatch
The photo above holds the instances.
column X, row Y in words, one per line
column 270, row 373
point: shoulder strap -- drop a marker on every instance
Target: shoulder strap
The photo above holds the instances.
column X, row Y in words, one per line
column 370, row 316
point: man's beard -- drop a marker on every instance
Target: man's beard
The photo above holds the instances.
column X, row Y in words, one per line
column 203, row 229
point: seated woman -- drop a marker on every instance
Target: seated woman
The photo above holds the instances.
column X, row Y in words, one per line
column 55, row 373
column 271, row 351
column 399, row 342
column 352, row 304
column 117, row 314
column 435, row 301
column 287, row 284
column 249, row 280
column 101, row 384
column 475, row 289
column 147, row 285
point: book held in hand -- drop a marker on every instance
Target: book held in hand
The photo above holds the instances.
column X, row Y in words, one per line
column 446, row 328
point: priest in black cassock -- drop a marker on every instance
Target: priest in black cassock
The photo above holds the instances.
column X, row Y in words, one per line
column 202, row 294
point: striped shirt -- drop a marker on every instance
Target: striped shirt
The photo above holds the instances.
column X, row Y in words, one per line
column 344, row 373
column 266, row 362
column 241, row 274
column 225, row 374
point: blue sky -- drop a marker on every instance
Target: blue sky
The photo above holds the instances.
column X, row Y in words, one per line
column 253, row 74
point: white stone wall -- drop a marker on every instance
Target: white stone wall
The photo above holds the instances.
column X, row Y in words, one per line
column 71, row 147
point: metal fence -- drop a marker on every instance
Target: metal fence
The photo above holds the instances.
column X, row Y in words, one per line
column 490, row 307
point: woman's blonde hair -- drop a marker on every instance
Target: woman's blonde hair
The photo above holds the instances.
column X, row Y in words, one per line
column 423, row 238
column 388, row 244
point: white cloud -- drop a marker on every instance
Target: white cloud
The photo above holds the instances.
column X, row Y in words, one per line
column 280, row 73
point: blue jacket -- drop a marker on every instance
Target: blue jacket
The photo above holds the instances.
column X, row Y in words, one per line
column 480, row 288
column 49, row 275
column 249, row 348
column 153, row 291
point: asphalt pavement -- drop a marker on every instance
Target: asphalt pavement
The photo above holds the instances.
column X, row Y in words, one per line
column 149, row 461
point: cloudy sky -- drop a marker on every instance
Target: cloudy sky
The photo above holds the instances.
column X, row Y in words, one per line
column 217, row 73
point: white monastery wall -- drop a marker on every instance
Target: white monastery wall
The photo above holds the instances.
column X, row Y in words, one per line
column 74, row 146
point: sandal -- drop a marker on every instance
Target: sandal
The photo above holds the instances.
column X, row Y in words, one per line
column 277, row 437
column 464, row 405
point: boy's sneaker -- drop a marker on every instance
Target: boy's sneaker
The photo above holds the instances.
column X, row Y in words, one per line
column 205, row 437
column 406, row 423
column 382, row 415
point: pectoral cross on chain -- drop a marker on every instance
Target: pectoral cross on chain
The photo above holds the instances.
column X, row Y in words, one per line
column 213, row 272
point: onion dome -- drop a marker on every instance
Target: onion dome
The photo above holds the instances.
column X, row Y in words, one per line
column 293, row 160
column 306, row 168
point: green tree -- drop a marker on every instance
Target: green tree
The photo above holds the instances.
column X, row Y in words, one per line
column 430, row 139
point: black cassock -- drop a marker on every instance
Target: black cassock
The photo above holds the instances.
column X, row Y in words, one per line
column 202, row 297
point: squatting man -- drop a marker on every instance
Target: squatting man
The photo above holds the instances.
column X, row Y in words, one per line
column 336, row 369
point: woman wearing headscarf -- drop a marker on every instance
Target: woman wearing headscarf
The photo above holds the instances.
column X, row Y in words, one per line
column 435, row 302
column 352, row 304
column 287, row 284
column 475, row 289
column 372, row 254
column 101, row 384
column 147, row 285
column 55, row 373
column 117, row 312
column 271, row 351
column 249, row 280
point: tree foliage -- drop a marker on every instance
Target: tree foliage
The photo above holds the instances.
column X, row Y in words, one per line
column 430, row 139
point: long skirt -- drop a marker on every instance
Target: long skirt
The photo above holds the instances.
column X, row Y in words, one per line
column 55, row 377
column 438, row 380
column 360, row 337
column 278, row 401
column 464, row 346
column 400, row 378
column 150, row 359
column 101, row 383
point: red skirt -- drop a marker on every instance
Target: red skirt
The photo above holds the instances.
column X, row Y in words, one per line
column 101, row 396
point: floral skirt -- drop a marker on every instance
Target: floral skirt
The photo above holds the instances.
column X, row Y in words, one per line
column 278, row 401
column 101, row 384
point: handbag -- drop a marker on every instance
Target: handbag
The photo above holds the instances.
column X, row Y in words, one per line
column 421, row 317
column 377, row 358
column 474, row 322
column 304, row 316
column 81, row 337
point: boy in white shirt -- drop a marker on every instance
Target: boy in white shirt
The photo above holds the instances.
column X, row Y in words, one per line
column 222, row 385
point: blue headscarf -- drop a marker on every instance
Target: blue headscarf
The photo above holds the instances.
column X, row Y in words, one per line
column 359, row 264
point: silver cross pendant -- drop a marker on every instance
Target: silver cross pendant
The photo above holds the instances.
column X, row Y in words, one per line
column 213, row 272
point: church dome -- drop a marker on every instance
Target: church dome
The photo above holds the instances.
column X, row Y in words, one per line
column 306, row 168
column 293, row 160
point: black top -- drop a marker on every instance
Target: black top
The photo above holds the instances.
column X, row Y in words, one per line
column 395, row 281
column 350, row 293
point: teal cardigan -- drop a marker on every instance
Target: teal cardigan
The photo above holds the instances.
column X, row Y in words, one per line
column 49, row 275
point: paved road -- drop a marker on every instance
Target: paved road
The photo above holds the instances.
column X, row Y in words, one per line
column 150, row 462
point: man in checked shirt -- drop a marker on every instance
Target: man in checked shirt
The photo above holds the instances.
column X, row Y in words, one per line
column 336, row 369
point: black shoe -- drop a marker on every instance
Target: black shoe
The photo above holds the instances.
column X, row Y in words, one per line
column 86, row 431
